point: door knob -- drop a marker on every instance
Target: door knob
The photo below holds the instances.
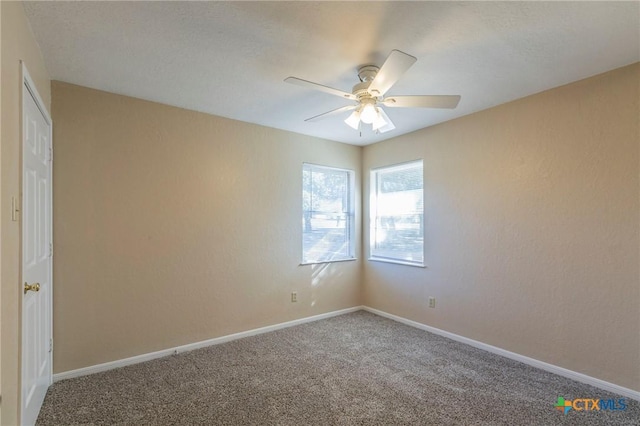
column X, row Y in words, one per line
column 31, row 287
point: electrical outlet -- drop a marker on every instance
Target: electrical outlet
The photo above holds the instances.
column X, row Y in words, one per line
column 432, row 302
column 294, row 296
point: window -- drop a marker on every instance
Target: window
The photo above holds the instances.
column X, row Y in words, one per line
column 327, row 214
column 397, row 214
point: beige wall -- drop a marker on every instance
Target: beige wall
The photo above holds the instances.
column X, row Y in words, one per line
column 532, row 231
column 531, row 219
column 172, row 226
column 18, row 44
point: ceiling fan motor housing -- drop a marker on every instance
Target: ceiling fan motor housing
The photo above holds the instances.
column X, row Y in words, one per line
column 366, row 74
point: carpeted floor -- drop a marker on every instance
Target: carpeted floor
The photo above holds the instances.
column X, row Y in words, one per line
column 352, row 369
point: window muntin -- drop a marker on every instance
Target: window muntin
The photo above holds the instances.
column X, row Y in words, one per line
column 327, row 214
column 397, row 214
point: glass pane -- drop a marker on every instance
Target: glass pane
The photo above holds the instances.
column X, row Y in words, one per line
column 327, row 238
column 398, row 225
column 326, row 214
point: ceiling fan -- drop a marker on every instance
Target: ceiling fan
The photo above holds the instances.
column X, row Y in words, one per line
column 369, row 94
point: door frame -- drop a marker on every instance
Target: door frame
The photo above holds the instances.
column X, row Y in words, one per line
column 28, row 83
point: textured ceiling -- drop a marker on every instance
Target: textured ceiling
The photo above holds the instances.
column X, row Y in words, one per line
column 230, row 58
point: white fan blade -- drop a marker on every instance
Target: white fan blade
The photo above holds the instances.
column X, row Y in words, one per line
column 320, row 87
column 389, row 125
column 394, row 66
column 332, row 112
column 426, row 101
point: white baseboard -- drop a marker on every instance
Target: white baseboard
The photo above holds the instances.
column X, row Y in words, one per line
column 579, row 377
column 191, row 346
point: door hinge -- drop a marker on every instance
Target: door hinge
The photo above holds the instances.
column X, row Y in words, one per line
column 50, row 345
column 50, row 153
column 50, row 250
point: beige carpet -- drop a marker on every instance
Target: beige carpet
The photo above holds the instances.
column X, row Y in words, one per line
column 355, row 369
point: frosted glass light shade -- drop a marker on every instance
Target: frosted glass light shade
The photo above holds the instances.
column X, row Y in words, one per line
column 379, row 121
column 353, row 120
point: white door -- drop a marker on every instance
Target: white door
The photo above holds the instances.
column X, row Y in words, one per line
column 37, row 251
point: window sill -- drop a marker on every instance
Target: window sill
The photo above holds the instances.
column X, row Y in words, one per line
column 397, row 262
column 327, row 261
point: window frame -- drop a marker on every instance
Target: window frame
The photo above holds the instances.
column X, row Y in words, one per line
column 373, row 213
column 350, row 215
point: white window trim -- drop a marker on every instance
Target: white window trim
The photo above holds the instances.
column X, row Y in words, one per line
column 396, row 261
column 320, row 262
column 351, row 214
column 373, row 214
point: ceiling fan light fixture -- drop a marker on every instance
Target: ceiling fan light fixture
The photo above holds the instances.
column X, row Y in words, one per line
column 368, row 114
column 353, row 120
column 369, row 95
column 379, row 121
